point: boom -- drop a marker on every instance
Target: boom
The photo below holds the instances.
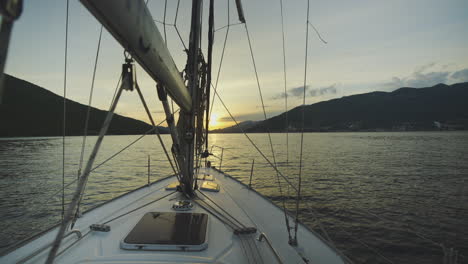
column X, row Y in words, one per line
column 132, row 25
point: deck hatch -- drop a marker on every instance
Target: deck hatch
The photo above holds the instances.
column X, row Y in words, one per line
column 168, row 231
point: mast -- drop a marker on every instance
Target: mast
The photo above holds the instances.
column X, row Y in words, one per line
column 10, row 11
column 132, row 25
column 186, row 124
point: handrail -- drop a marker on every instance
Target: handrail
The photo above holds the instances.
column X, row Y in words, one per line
column 222, row 152
column 277, row 256
column 35, row 253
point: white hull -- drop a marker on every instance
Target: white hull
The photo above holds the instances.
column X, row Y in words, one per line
column 244, row 204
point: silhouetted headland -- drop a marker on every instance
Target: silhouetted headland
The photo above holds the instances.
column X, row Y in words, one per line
column 29, row 110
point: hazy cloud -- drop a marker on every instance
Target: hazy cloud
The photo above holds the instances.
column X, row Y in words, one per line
column 299, row 92
column 324, row 90
column 460, row 76
column 426, row 76
column 292, row 92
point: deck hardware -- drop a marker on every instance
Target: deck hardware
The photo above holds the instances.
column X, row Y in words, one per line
column 251, row 173
column 99, row 227
column 149, row 168
column 264, row 237
column 245, row 231
column 221, row 162
column 210, row 186
column 182, row 205
column 128, row 73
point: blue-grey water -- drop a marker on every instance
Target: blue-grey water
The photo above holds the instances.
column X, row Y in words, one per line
column 381, row 197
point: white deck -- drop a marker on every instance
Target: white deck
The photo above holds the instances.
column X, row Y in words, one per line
column 245, row 205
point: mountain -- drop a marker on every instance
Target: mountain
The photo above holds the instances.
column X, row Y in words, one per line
column 438, row 107
column 29, row 110
column 236, row 129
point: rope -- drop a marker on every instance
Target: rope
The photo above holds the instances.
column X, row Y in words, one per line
column 285, row 84
column 302, row 127
column 286, row 115
column 318, row 34
column 85, row 132
column 209, row 199
column 253, row 143
column 208, row 69
column 221, row 60
column 229, row 25
column 262, row 101
column 175, row 25
column 139, row 207
column 247, row 253
column 154, row 125
column 251, row 251
column 268, row 130
column 68, row 217
column 216, row 214
column 47, row 199
column 254, row 249
column 407, row 229
column 367, row 246
column 64, row 109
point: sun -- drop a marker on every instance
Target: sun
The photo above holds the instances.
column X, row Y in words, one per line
column 214, row 120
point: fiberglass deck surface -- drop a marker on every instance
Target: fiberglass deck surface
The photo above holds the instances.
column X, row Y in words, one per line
column 245, row 205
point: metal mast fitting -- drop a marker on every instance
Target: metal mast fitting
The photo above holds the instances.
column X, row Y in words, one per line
column 240, row 11
column 132, row 25
column 186, row 123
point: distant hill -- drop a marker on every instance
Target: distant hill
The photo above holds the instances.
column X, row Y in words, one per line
column 236, row 129
column 29, row 110
column 441, row 107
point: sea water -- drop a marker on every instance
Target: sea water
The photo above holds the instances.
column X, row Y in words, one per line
column 380, row 197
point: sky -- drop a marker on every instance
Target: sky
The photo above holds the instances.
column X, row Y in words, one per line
column 372, row 45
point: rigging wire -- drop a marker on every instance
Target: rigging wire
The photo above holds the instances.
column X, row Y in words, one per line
column 366, row 245
column 286, row 117
column 209, row 67
column 220, row 60
column 148, row 112
column 302, row 122
column 47, row 199
column 229, row 25
column 71, row 211
column 64, row 108
column 88, row 110
column 285, row 84
column 253, row 143
column 268, row 130
column 129, row 145
column 175, row 25
column 318, row 34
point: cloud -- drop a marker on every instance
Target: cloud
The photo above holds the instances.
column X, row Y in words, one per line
column 460, row 76
column 324, row 90
column 299, row 92
column 426, row 76
column 292, row 92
